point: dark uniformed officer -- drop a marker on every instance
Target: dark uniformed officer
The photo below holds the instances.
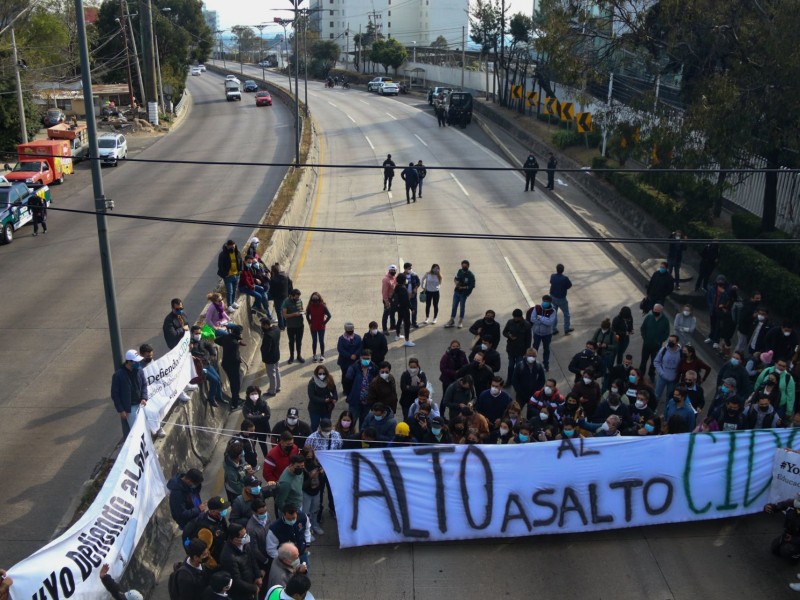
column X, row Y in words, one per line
column 388, row 171
column 531, row 168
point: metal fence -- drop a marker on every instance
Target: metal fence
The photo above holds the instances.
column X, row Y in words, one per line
column 181, row 103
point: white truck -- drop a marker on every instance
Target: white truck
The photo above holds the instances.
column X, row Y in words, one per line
column 233, row 90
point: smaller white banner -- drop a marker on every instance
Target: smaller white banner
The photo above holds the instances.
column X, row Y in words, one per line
column 785, row 475
column 108, row 532
column 166, row 378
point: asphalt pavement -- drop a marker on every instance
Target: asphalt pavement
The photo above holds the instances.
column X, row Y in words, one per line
column 56, row 418
column 719, row 559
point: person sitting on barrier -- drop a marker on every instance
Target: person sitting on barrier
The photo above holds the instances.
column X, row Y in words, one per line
column 216, row 313
column 787, row 544
column 524, row 434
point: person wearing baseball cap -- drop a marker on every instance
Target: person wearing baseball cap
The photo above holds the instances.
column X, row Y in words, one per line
column 129, row 390
column 388, row 284
column 299, row 429
column 349, row 348
column 211, row 527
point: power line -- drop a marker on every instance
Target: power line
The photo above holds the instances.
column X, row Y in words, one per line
column 431, row 234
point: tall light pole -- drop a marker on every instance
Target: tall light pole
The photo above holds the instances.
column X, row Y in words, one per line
column 146, row 22
column 283, row 23
column 23, row 126
column 260, row 28
column 100, row 204
column 296, row 3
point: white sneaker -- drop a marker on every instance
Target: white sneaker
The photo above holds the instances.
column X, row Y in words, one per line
column 460, row 323
column 425, row 322
column 191, row 387
column 715, row 346
column 397, row 338
column 183, row 397
column 434, row 321
column 708, row 340
column 235, row 305
column 409, row 343
column 229, row 310
column 795, row 586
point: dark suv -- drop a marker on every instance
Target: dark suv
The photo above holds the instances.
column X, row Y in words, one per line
column 459, row 109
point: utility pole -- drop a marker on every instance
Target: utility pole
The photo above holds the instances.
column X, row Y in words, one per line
column 608, row 114
column 100, row 203
column 360, row 41
column 142, row 98
column 23, row 126
column 127, row 56
column 305, row 61
column 146, row 20
column 347, row 47
column 283, row 23
column 463, row 54
column 158, row 74
column 296, row 90
column 260, row 28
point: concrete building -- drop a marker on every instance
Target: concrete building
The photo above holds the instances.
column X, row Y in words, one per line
column 412, row 22
column 211, row 19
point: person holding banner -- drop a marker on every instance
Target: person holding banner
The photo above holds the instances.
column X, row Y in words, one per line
column 5, row 584
column 129, row 390
column 113, row 587
column 787, row 545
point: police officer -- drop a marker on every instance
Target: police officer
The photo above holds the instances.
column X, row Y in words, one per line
column 552, row 163
column 388, row 171
column 441, row 114
column 531, row 169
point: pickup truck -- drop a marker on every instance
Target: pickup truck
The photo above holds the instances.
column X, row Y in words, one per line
column 232, row 90
column 14, row 211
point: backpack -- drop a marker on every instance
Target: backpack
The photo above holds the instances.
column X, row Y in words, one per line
column 190, row 531
column 172, row 583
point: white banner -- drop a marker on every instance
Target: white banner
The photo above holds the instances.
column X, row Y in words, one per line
column 436, row 493
column 785, row 475
column 108, row 532
column 166, row 378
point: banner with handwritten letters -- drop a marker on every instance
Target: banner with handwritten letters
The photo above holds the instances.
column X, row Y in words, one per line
column 436, row 493
column 68, row 567
column 166, row 377
column 785, row 475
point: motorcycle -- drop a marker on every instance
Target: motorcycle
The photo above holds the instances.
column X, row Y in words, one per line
column 403, row 88
column 329, row 83
column 346, row 85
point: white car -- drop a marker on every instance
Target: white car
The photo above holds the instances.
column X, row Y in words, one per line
column 388, row 88
column 202, row 68
column 196, row 71
column 374, row 84
column 112, row 148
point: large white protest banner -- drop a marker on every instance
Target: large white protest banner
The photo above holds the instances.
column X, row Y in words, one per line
column 166, row 378
column 435, row 493
column 785, row 475
column 108, row 532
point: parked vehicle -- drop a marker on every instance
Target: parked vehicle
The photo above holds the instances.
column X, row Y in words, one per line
column 202, row 68
column 42, row 162
column 14, row 210
column 374, row 84
column 53, row 116
column 232, row 90
column 459, row 109
column 389, row 88
column 112, row 148
column 77, row 135
column 263, row 98
column 436, row 93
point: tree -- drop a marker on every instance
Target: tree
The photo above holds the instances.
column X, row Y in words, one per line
column 324, row 54
column 388, row 53
column 485, row 25
column 439, row 43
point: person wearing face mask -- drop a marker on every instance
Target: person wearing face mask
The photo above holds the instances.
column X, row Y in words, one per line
column 451, row 362
column 675, row 256
column 655, row 331
column 464, row 286
column 667, row 363
column 678, row 405
column 769, row 389
column 588, row 392
column 475, row 423
column 317, row 315
column 719, row 303
column 325, row 437
column 503, row 434
column 279, row 456
column 755, row 341
column 240, row 562
column 459, row 394
column 786, row 385
column 401, row 303
column 542, row 318
column 612, row 404
column 293, row 313
column 229, row 266
column 359, row 375
column 190, row 577
column 694, row 391
column 640, row 415
column 524, row 434
column 236, row 470
column 381, row 419
column 388, row 284
column 490, row 355
column 322, row 396
column 437, row 433
column 216, row 314
column 184, row 496
column 129, row 390
column 685, row 322
column 256, row 411
column 512, row 413
column 280, row 286
column 528, row 376
column 175, row 324
column 569, row 430
column 622, row 326
column 411, row 380
column 231, row 344
column 691, row 362
column 242, row 507
column 747, row 320
column 493, row 402
column 608, row 428
column 423, row 399
column 480, row 372
column 458, row 429
column 728, row 414
column 375, row 342
column 294, row 425
column 247, row 438
column 258, row 528
column 586, row 359
column 518, row 339
column 544, row 424
column 660, row 286
column 251, row 285
column 210, row 527
column 313, row 484
column 218, row 586
column 412, row 287
column 206, row 353
column 346, row 427
column 486, row 328
column 431, row 284
column 531, row 168
column 287, row 562
column 349, row 347
column 735, row 369
column 383, row 388
column 621, row 371
column 605, row 341
column 782, row 341
column 635, row 383
column 292, row 525
column 762, row 415
column 787, row 544
column 290, row 484
column 550, row 397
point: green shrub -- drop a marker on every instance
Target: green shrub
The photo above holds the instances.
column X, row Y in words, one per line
column 747, row 226
column 564, row 138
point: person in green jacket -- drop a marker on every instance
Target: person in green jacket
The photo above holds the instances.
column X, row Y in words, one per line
column 785, row 384
column 290, row 484
column 655, row 331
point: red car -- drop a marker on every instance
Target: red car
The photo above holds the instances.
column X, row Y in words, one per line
column 263, row 99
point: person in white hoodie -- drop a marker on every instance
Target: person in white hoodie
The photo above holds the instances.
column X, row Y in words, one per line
column 685, row 322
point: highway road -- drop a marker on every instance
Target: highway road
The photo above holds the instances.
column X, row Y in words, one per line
column 717, row 559
column 56, row 417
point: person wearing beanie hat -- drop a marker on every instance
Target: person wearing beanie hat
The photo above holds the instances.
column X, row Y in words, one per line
column 402, row 434
column 294, row 317
column 113, row 587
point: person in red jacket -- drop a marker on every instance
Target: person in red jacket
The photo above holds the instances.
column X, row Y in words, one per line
column 278, row 458
column 317, row 315
column 249, row 284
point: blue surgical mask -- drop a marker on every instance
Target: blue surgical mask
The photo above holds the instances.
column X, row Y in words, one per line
column 523, row 438
column 735, row 362
column 723, row 389
column 224, row 513
column 436, row 430
column 179, row 311
column 136, row 366
column 255, row 490
column 569, row 432
column 632, row 378
column 364, row 362
column 290, row 521
column 662, row 270
column 649, row 428
column 378, row 417
column 262, row 518
column 545, row 305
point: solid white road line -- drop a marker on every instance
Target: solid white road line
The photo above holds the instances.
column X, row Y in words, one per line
column 351, row 118
column 369, row 142
column 332, row 104
column 458, row 183
column 421, row 140
column 521, row 286
column 391, row 115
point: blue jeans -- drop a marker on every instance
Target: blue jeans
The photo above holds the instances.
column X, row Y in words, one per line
column 388, row 315
column 661, row 385
column 214, row 383
column 545, row 341
column 360, row 412
column 419, row 191
column 260, row 298
column 276, row 302
column 127, row 424
column 563, row 304
column 318, row 336
column 231, row 281
column 459, row 299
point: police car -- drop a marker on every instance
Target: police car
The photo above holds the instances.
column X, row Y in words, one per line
column 14, row 210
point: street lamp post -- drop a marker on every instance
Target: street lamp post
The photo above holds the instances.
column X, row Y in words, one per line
column 260, row 27
column 296, row 89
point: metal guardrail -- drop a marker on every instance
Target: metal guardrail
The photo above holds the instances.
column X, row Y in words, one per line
column 181, row 103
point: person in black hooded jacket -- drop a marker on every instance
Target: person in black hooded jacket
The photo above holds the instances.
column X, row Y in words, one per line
column 184, row 496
